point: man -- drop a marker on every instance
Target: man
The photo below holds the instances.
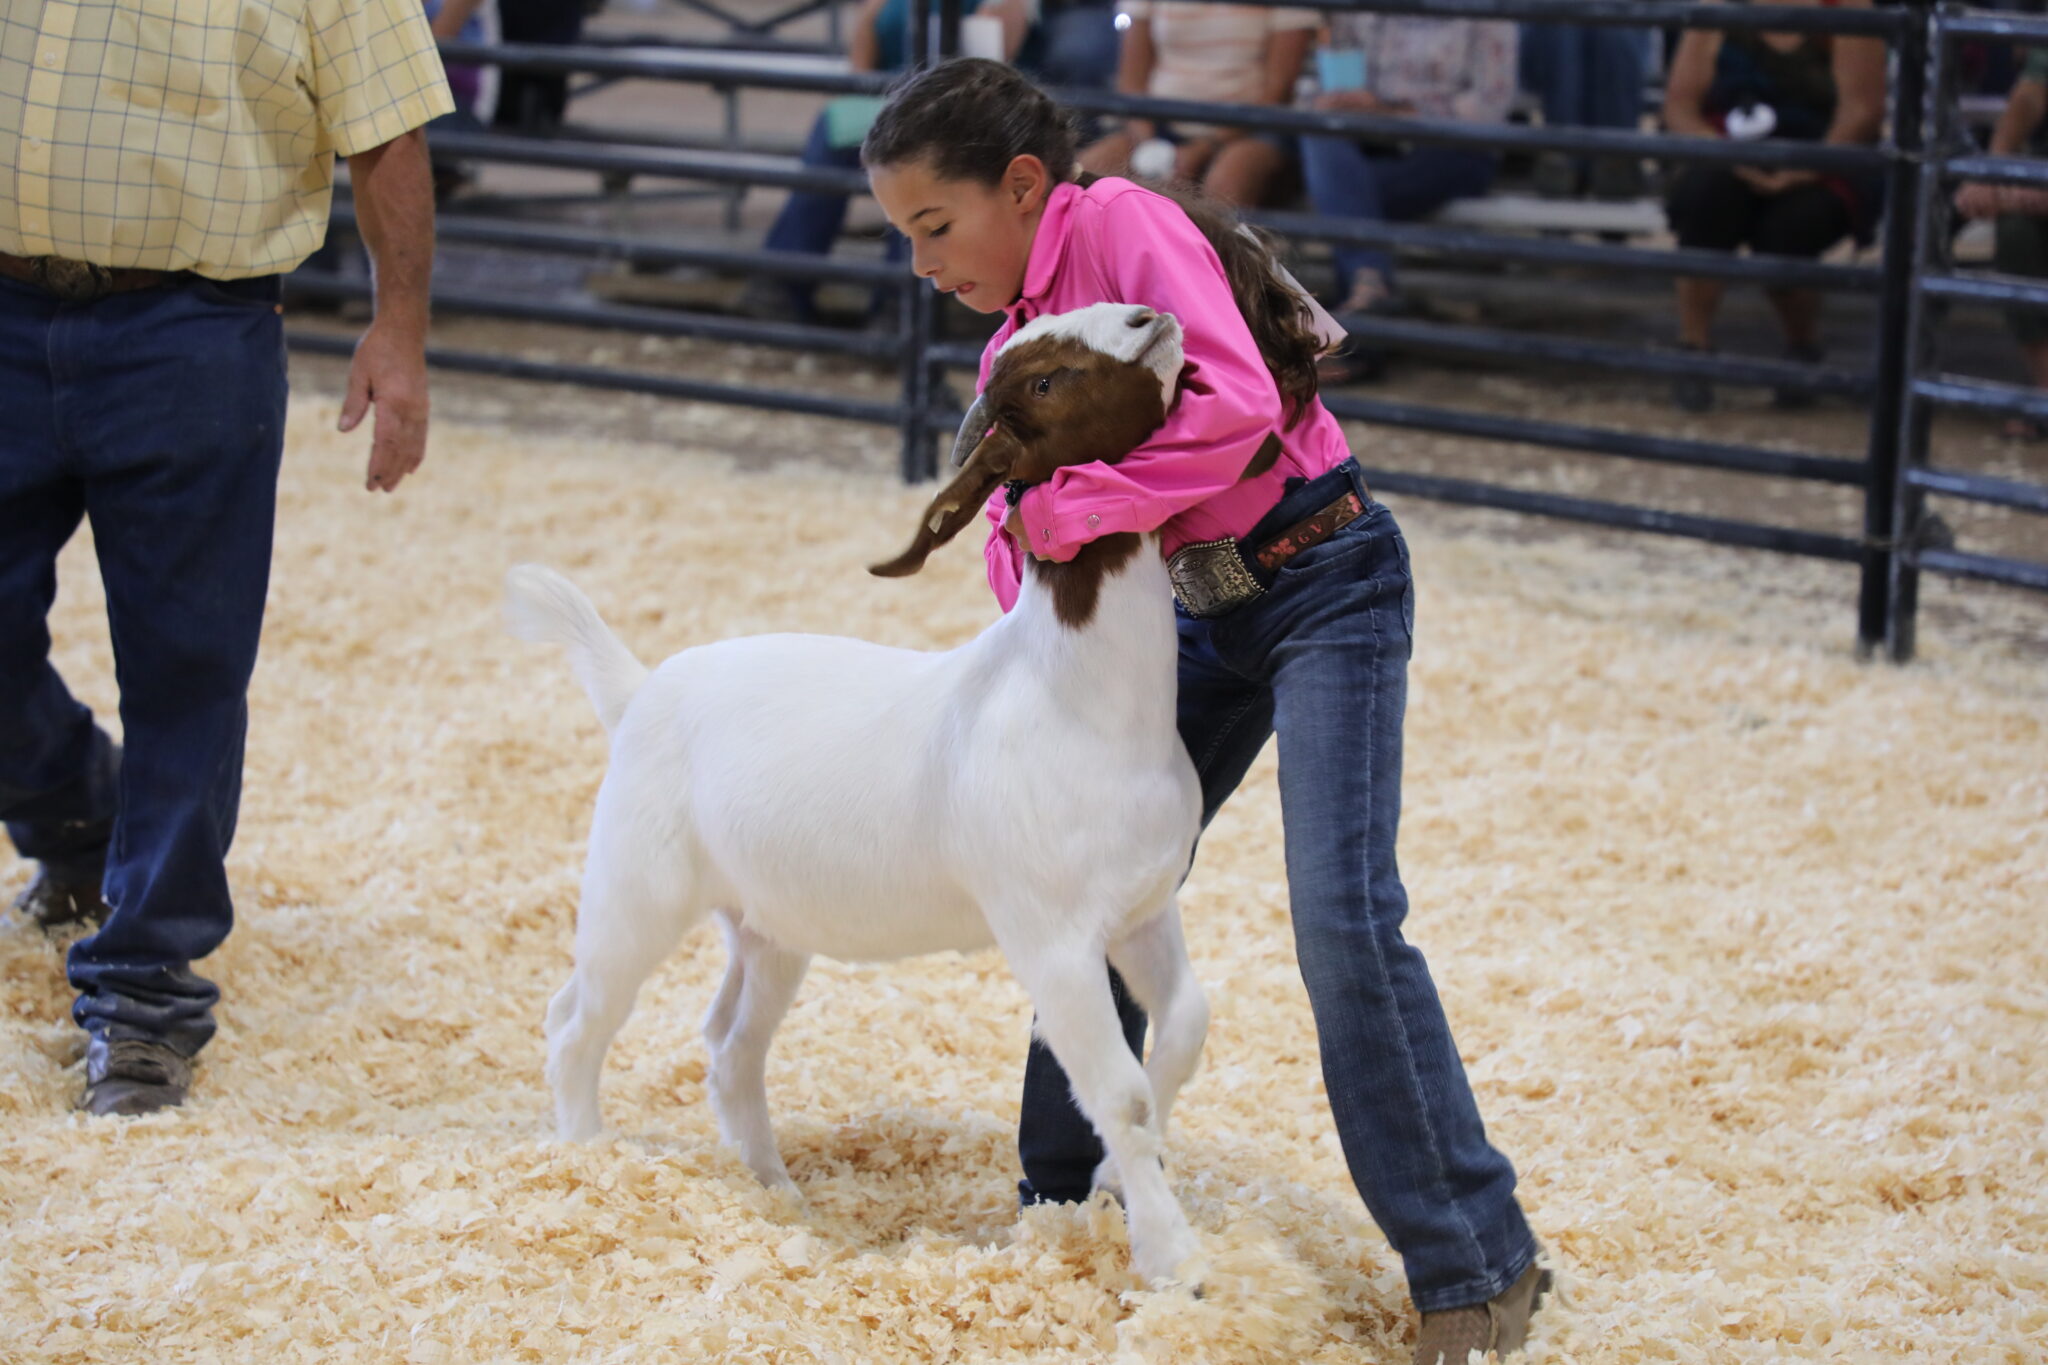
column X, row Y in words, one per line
column 160, row 166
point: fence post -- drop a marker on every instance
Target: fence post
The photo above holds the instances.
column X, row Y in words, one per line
column 1930, row 223
column 1903, row 246
column 918, row 311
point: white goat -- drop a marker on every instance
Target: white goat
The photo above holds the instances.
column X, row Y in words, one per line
column 1028, row 789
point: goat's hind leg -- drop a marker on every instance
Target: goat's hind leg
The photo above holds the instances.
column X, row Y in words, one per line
column 1077, row 1019
column 761, row 981
column 629, row 919
column 1153, row 961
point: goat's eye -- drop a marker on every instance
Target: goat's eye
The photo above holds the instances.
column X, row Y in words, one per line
column 1043, row 386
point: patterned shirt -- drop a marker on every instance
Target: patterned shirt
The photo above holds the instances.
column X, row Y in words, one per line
column 1460, row 69
column 198, row 134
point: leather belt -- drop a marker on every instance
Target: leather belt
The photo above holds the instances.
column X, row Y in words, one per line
column 1215, row 576
column 79, row 281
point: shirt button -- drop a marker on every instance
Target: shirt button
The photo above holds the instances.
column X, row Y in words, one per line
column 1045, row 533
column 1093, row 521
column 49, row 59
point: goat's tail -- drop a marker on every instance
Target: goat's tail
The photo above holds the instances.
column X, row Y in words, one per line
column 543, row 606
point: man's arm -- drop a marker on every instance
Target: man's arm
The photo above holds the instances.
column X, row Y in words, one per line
column 394, row 194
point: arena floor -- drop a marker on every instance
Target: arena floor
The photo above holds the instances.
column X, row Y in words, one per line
column 1743, row 942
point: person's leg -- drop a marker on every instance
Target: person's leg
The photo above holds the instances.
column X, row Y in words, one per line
column 1615, row 62
column 2022, row 249
column 1709, row 208
column 1803, row 221
column 1224, row 721
column 1244, row 171
column 810, row 221
column 1343, row 182
column 1552, row 66
column 57, row 767
column 1109, row 154
column 1334, row 636
column 175, row 399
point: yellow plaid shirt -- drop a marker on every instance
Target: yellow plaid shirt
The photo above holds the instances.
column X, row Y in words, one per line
column 198, row 134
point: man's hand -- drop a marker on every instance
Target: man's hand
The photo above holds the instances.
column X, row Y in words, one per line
column 394, row 189
column 390, row 371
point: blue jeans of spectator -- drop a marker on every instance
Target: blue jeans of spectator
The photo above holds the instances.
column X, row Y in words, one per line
column 1349, row 180
column 159, row 414
column 1322, row 660
column 1588, row 76
column 810, row 221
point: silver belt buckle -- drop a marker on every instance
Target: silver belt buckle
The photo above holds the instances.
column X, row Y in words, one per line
column 1212, row 578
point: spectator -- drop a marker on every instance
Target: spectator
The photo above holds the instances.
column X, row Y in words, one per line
column 1588, row 76
column 810, row 220
column 534, row 101
column 475, row 88
column 1192, row 50
column 2022, row 216
column 1077, row 46
column 142, row 374
column 1805, row 87
column 1450, row 69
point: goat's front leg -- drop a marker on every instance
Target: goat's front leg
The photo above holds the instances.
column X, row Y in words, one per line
column 1077, row 1019
column 760, row 982
column 1153, row 961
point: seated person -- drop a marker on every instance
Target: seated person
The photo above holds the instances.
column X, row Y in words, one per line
column 1456, row 69
column 2022, row 215
column 1186, row 49
column 810, row 220
column 1805, row 87
column 475, row 88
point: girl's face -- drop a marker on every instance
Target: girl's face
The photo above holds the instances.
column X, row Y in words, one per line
column 970, row 240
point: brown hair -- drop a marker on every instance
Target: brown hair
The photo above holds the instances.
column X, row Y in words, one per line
column 969, row 118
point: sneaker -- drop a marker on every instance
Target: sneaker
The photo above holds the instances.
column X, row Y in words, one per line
column 1798, row 400
column 1556, row 175
column 133, row 1076
column 1618, row 178
column 1690, row 392
column 1501, row 1324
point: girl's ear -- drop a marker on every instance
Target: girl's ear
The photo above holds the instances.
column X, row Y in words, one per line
column 1027, row 182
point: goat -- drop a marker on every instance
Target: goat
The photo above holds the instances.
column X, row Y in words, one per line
column 1028, row 789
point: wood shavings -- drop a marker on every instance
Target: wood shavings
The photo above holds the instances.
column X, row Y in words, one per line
column 1742, row 942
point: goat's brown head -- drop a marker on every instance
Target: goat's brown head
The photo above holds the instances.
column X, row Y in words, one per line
column 1068, row 388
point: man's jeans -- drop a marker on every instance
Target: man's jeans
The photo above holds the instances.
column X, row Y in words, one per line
column 160, row 415
column 1348, row 180
column 1322, row 659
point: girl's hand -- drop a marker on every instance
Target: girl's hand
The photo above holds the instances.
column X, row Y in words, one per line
column 1977, row 199
column 1014, row 524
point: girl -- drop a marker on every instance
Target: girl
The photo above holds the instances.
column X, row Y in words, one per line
column 1303, row 632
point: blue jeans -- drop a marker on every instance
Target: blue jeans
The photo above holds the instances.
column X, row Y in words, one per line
column 1322, row 660
column 160, row 415
column 1347, row 180
column 1588, row 76
column 810, row 221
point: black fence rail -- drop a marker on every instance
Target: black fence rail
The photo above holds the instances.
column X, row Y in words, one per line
column 1893, row 544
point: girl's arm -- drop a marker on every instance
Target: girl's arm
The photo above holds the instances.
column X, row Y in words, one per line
column 1139, row 247
column 1859, row 88
column 863, row 52
column 1134, row 60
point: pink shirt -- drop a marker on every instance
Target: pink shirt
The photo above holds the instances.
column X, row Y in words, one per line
column 1118, row 242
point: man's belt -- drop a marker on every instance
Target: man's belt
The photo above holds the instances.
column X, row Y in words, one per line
column 1215, row 576
column 79, row 281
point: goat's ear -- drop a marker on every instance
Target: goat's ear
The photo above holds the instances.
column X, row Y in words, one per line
column 1267, row 455
column 958, row 503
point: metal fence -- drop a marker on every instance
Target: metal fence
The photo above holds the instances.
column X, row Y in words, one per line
column 1894, row 475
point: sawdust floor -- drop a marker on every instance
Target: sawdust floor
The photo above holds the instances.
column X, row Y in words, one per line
column 1743, row 943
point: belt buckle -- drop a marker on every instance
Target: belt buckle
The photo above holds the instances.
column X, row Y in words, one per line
column 1211, row 578
column 71, row 281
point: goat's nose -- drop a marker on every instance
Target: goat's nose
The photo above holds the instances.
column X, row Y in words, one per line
column 1141, row 317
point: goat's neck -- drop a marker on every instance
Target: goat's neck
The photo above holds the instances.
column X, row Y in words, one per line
column 1100, row 632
